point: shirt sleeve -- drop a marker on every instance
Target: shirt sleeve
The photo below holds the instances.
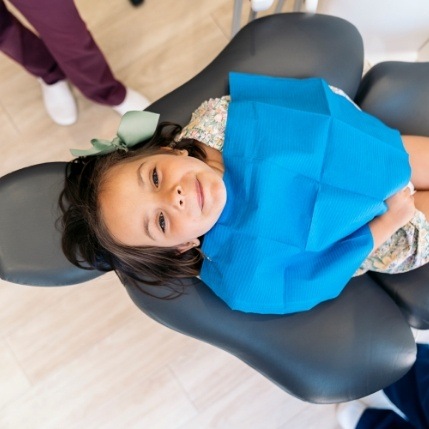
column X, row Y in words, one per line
column 343, row 94
column 405, row 250
column 208, row 123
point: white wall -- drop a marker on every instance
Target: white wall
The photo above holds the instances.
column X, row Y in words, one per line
column 391, row 29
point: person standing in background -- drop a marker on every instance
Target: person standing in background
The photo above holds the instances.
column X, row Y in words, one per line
column 64, row 51
column 402, row 405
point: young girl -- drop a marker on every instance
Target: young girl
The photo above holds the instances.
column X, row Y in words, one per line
column 285, row 224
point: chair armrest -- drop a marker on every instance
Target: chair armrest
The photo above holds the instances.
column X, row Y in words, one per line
column 340, row 350
column 410, row 292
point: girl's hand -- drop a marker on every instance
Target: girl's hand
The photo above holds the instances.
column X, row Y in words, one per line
column 400, row 210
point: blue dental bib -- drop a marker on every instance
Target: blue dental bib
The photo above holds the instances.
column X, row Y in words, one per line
column 305, row 172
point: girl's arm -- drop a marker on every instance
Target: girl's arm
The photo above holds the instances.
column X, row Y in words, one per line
column 400, row 210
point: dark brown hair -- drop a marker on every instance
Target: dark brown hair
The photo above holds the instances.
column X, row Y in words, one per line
column 86, row 241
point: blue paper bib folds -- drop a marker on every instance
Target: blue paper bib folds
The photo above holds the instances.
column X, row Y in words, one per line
column 305, row 172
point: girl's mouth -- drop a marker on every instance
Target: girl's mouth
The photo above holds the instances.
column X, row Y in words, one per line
column 200, row 195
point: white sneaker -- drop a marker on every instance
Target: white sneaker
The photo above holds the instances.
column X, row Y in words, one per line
column 133, row 101
column 59, row 102
column 349, row 413
column 260, row 5
column 421, row 336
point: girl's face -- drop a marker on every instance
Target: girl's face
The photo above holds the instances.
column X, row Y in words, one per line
column 162, row 200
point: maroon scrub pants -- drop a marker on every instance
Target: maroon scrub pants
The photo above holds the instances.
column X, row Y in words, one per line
column 64, row 50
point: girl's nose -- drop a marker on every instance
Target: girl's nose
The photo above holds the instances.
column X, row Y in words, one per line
column 177, row 197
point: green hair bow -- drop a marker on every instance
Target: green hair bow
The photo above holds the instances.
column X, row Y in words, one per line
column 135, row 127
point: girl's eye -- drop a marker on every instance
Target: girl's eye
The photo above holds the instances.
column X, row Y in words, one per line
column 155, row 178
column 161, row 221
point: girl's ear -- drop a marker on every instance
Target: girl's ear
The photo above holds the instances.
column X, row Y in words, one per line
column 184, row 247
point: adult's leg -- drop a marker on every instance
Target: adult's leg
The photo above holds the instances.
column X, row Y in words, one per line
column 371, row 412
column 411, row 393
column 382, row 419
column 24, row 47
column 66, row 36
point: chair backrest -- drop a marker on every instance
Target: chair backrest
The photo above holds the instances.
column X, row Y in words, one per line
column 342, row 349
column 291, row 44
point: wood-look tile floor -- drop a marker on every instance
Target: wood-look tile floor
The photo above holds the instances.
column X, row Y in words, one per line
column 84, row 356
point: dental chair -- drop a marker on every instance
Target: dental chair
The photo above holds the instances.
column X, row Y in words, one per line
column 340, row 350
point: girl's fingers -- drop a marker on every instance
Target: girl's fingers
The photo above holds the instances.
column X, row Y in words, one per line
column 410, row 186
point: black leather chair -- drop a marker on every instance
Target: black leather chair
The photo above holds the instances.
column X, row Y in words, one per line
column 344, row 348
